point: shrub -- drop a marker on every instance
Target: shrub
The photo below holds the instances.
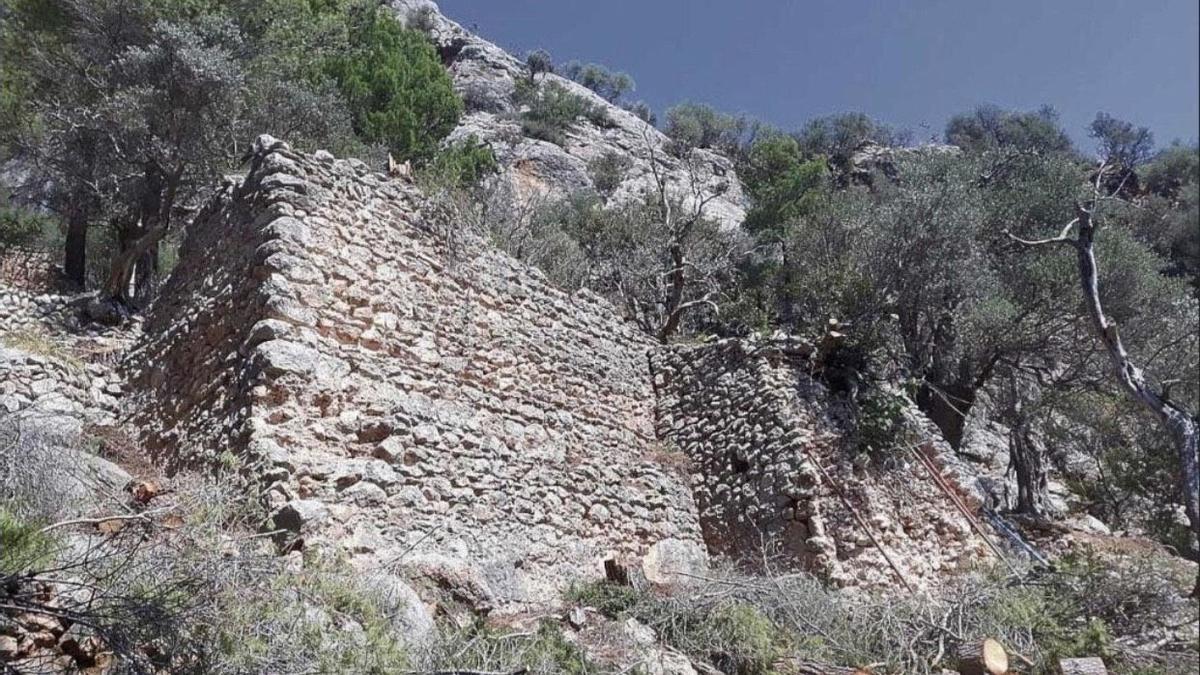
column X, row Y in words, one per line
column 476, row 647
column 397, row 90
column 744, row 623
column 464, row 163
column 608, row 84
column 836, row 137
column 20, row 228
column 643, row 112
column 608, row 171
column 990, row 128
column 22, row 545
column 551, row 110
column 538, row 62
column 611, row 600
column 695, row 125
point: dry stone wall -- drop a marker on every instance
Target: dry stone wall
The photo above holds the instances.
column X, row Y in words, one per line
column 768, row 451
column 455, row 415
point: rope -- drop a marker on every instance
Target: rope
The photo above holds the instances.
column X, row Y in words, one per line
column 1015, row 537
column 862, row 523
column 940, row 481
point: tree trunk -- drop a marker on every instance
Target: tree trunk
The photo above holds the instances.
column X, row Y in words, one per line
column 1025, row 455
column 79, row 213
column 1180, row 426
column 947, row 407
column 1030, row 467
column 75, row 258
column 145, row 275
column 986, row 657
column 125, row 264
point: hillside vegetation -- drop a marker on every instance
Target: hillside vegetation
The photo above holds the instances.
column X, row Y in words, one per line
column 1003, row 276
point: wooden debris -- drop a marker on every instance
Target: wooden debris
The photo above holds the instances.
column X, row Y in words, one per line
column 804, row 667
column 986, row 657
column 1087, row 666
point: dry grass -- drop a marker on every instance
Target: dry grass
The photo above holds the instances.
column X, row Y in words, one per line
column 41, row 344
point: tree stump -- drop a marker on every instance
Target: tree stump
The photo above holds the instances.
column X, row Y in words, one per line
column 1088, row 666
column 986, row 657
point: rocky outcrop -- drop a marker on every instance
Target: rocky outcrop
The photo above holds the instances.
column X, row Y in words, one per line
column 774, row 476
column 485, row 76
column 451, row 413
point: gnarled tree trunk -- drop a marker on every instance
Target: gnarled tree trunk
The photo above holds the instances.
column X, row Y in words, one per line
column 1178, row 424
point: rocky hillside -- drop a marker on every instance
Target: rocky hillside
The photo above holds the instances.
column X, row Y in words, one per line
column 486, row 75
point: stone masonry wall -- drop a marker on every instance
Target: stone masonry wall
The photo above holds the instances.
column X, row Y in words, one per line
column 455, row 415
column 757, row 430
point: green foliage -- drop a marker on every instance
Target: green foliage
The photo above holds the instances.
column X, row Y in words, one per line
column 1170, row 211
column 1173, row 168
column 732, row 635
column 611, row 600
column 130, row 109
column 990, row 128
column 608, row 84
column 642, row 111
column 464, row 163
column 550, row 110
column 22, row 545
column 836, row 137
column 696, row 125
column 880, row 415
column 396, row 88
column 543, row 651
column 782, row 184
column 20, row 228
column 291, row 619
column 1120, row 142
column 538, row 62
column 608, row 171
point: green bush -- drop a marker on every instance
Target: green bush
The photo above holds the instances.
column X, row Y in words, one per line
column 837, row 136
column 298, row 620
column 611, row 600
column 608, row 171
column 989, row 128
column 20, row 228
column 538, row 62
column 22, row 545
column 608, row 84
column 396, row 87
column 696, row 125
column 464, row 163
column 542, row 651
column 551, row 110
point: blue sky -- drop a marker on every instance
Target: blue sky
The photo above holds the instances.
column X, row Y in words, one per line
column 911, row 63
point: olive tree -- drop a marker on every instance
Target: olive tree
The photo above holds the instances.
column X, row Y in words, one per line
column 1177, row 422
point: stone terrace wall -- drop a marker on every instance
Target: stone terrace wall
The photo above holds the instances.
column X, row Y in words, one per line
column 455, row 415
column 754, row 426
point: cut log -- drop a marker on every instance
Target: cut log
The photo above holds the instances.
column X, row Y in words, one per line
column 1088, row 666
column 986, row 657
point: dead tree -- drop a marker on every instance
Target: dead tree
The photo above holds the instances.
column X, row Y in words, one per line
column 1178, row 424
column 680, row 219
